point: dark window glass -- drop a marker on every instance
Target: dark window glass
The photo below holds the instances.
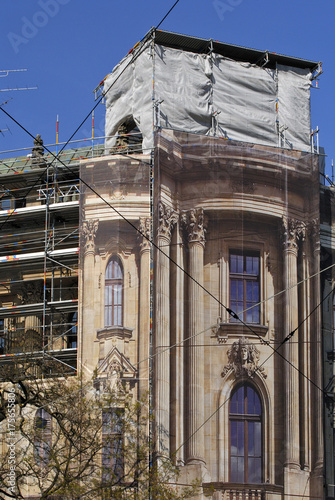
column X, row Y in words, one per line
column 72, row 336
column 2, row 337
column 114, row 293
column 112, row 450
column 6, row 203
column 244, row 286
column 245, row 421
column 43, row 436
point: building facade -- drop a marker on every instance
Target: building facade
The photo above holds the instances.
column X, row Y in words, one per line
column 205, row 266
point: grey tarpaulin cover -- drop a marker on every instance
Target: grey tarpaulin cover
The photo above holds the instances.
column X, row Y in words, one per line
column 209, row 94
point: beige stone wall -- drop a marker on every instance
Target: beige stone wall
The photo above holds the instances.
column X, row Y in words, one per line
column 212, row 197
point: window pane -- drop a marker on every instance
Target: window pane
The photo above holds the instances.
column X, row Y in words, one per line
column 248, row 265
column 258, row 438
column 237, row 401
column 254, row 470
column 244, row 292
column 240, row 439
column 255, row 265
column 233, row 263
column 113, row 293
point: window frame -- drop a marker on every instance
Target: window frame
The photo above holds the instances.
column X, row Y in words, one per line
column 111, row 308
column 246, row 418
column 245, row 278
column 42, row 438
column 112, row 464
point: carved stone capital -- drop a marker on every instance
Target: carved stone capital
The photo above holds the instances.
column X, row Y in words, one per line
column 90, row 228
column 293, row 231
column 145, row 233
column 167, row 218
column 195, row 222
column 243, row 359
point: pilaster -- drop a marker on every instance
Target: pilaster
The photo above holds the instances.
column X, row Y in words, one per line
column 89, row 230
column 292, row 232
column 195, row 226
column 166, row 220
column 144, row 306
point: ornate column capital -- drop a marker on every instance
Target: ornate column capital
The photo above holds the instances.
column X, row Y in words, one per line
column 195, row 222
column 90, row 228
column 292, row 231
column 167, row 218
column 145, row 232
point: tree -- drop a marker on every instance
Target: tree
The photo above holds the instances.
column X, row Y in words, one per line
column 79, row 439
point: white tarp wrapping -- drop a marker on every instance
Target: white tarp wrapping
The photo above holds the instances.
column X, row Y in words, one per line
column 245, row 96
column 192, row 88
column 181, row 83
column 294, row 106
column 130, row 96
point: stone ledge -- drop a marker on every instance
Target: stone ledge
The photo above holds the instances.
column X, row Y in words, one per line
column 109, row 332
column 225, row 330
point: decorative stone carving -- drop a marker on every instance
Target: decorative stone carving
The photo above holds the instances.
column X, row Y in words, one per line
column 293, row 231
column 30, row 293
column 116, row 371
column 194, row 222
column 145, row 233
column 90, row 228
column 117, row 191
column 37, row 152
column 245, row 186
column 167, row 218
column 243, row 359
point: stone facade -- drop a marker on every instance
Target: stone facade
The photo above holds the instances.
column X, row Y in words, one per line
column 215, row 202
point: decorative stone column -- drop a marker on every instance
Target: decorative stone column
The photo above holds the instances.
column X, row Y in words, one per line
column 194, row 221
column 144, row 306
column 293, row 231
column 166, row 220
column 89, row 230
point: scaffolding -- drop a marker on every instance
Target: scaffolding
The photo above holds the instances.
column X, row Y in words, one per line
column 39, row 246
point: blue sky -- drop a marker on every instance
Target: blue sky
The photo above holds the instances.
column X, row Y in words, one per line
column 68, row 47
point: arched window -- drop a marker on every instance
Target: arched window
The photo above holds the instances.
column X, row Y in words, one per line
column 246, row 439
column 43, row 437
column 114, row 293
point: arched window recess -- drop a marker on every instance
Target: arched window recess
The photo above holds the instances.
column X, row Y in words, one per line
column 246, row 440
column 114, row 301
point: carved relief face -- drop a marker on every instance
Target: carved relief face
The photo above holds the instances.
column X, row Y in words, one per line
column 244, row 354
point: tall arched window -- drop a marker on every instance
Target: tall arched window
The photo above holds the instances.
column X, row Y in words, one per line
column 246, row 437
column 43, row 437
column 114, row 293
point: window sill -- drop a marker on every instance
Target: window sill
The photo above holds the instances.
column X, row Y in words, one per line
column 114, row 331
column 225, row 330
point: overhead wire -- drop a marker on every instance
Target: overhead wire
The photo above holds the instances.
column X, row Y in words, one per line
column 258, row 368
column 229, row 311
column 143, row 235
